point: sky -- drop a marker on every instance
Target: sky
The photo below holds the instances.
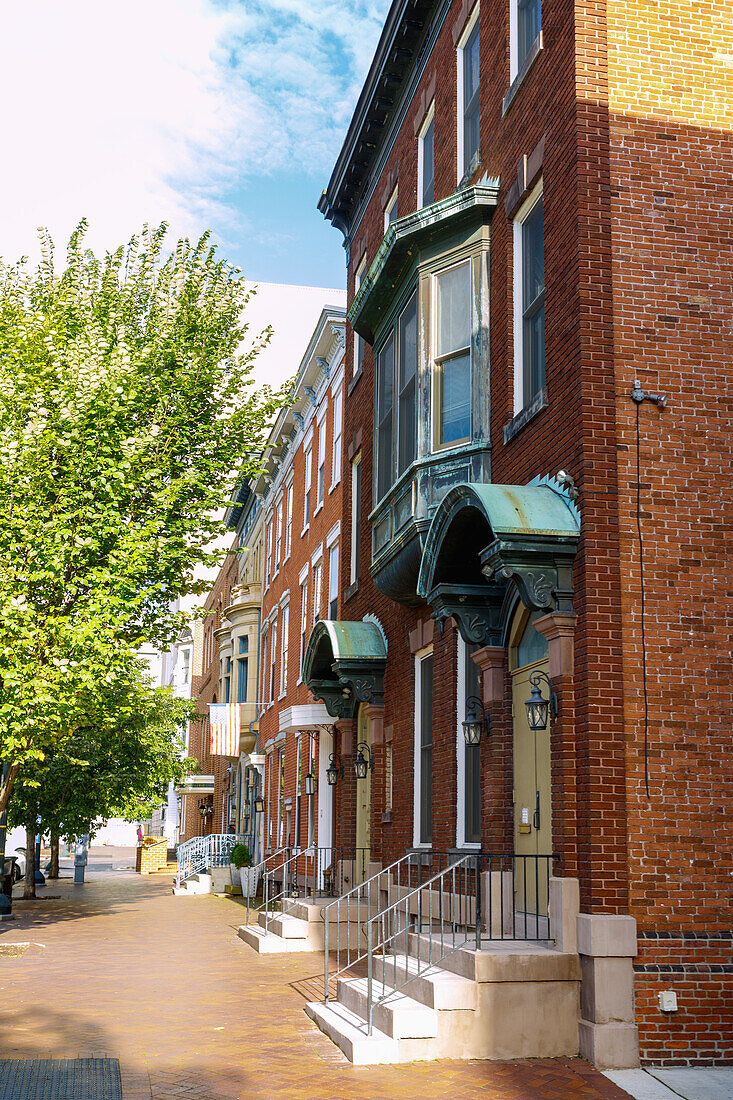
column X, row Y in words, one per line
column 208, row 114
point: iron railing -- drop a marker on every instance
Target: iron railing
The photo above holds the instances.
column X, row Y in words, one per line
column 318, row 872
column 200, row 853
column 405, row 873
column 271, row 861
column 475, row 898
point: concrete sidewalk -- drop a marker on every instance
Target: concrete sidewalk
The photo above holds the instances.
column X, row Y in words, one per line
column 120, row 968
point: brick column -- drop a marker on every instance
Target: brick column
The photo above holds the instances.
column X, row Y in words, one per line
column 375, row 715
column 496, row 752
column 345, row 797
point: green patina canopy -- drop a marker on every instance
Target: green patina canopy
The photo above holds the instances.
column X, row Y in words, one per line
column 343, row 664
column 483, row 536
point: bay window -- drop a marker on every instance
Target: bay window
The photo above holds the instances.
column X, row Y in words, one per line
column 396, row 445
column 452, row 391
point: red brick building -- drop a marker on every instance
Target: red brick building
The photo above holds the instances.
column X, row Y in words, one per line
column 532, row 199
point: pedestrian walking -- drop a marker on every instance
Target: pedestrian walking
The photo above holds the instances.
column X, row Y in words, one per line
column 139, row 834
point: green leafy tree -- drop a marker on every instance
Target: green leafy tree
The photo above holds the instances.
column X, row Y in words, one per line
column 125, row 406
column 117, row 763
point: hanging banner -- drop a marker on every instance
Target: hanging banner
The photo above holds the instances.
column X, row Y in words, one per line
column 224, row 721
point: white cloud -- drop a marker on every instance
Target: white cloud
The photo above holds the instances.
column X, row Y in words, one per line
column 156, row 109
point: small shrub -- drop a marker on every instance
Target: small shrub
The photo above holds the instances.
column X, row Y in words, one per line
column 241, row 856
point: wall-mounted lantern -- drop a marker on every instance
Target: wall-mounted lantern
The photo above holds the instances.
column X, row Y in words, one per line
column 364, row 760
column 538, row 708
column 259, row 804
column 334, row 771
column 476, row 723
column 309, row 784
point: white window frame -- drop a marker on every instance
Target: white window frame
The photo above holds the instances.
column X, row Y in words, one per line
column 273, row 660
column 338, row 427
column 420, row 656
column 358, row 341
column 429, row 118
column 355, row 520
column 333, row 575
column 284, row 630
column 321, row 468
column 278, row 534
column 438, row 359
column 304, row 618
column 519, row 219
column 317, row 569
column 288, row 520
column 268, row 540
column 467, row 31
column 307, row 485
column 514, row 64
column 391, row 203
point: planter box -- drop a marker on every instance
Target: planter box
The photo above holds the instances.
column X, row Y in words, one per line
column 250, row 877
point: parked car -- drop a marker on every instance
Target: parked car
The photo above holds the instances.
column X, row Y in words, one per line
column 19, row 864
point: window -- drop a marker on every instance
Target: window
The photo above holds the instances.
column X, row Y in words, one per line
column 426, row 161
column 469, row 760
column 278, row 533
column 186, row 670
column 321, row 482
column 317, row 578
column 227, row 679
column 468, row 99
column 333, row 581
column 273, row 654
column 525, row 23
column 390, row 210
column 337, row 430
column 529, row 302
column 355, row 518
column 307, row 487
column 280, row 796
column 385, row 386
column 452, row 420
column 396, row 444
column 242, row 669
column 303, row 620
column 268, row 538
column 358, row 342
column 288, row 521
column 424, row 749
column 263, row 668
column 284, row 649
column 406, row 381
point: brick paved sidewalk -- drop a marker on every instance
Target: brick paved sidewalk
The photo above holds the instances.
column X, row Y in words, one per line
column 128, row 971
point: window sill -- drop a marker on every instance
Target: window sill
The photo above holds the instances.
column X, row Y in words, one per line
column 534, row 52
column 354, row 379
column 351, row 590
column 281, row 696
column 305, row 530
column 333, row 485
column 529, row 412
column 319, row 508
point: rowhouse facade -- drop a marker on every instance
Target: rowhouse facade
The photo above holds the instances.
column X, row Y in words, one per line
column 535, row 456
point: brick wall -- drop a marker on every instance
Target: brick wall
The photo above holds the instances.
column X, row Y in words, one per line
column 671, row 163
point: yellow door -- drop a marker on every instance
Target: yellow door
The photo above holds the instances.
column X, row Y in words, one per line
column 532, row 797
column 363, row 807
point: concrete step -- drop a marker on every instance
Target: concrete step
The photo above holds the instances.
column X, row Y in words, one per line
column 431, row 986
column 268, row 943
column 349, row 1032
column 282, row 924
column 504, row 960
column 398, row 1015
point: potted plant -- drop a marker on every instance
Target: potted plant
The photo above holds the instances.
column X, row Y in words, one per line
column 242, row 870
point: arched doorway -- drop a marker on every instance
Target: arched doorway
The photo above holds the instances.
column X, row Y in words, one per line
column 532, row 768
column 363, row 804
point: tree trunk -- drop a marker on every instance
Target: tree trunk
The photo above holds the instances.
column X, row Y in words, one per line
column 7, row 784
column 29, row 888
column 53, row 871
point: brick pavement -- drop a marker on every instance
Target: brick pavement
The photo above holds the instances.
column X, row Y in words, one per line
column 128, row 971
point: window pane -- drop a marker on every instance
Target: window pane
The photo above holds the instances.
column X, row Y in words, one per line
column 426, row 750
column 455, row 410
column 407, row 370
column 384, row 414
column 242, row 680
column 533, row 257
column 528, row 20
column 454, row 297
column 470, row 98
column 428, row 165
column 471, row 66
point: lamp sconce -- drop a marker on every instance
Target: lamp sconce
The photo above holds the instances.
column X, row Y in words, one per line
column 309, row 784
column 334, row 771
column 538, row 708
column 364, row 760
column 476, row 723
column 259, row 804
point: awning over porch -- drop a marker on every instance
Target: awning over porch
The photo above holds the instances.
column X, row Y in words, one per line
column 483, row 536
column 344, row 663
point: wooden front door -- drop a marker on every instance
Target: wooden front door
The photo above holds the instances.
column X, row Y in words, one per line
column 532, row 798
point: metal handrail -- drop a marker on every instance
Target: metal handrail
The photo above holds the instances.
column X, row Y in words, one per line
column 290, row 864
column 260, row 868
column 362, row 893
column 199, row 853
column 459, row 917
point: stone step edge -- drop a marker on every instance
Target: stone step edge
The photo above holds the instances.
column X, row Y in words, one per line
column 349, row 1032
